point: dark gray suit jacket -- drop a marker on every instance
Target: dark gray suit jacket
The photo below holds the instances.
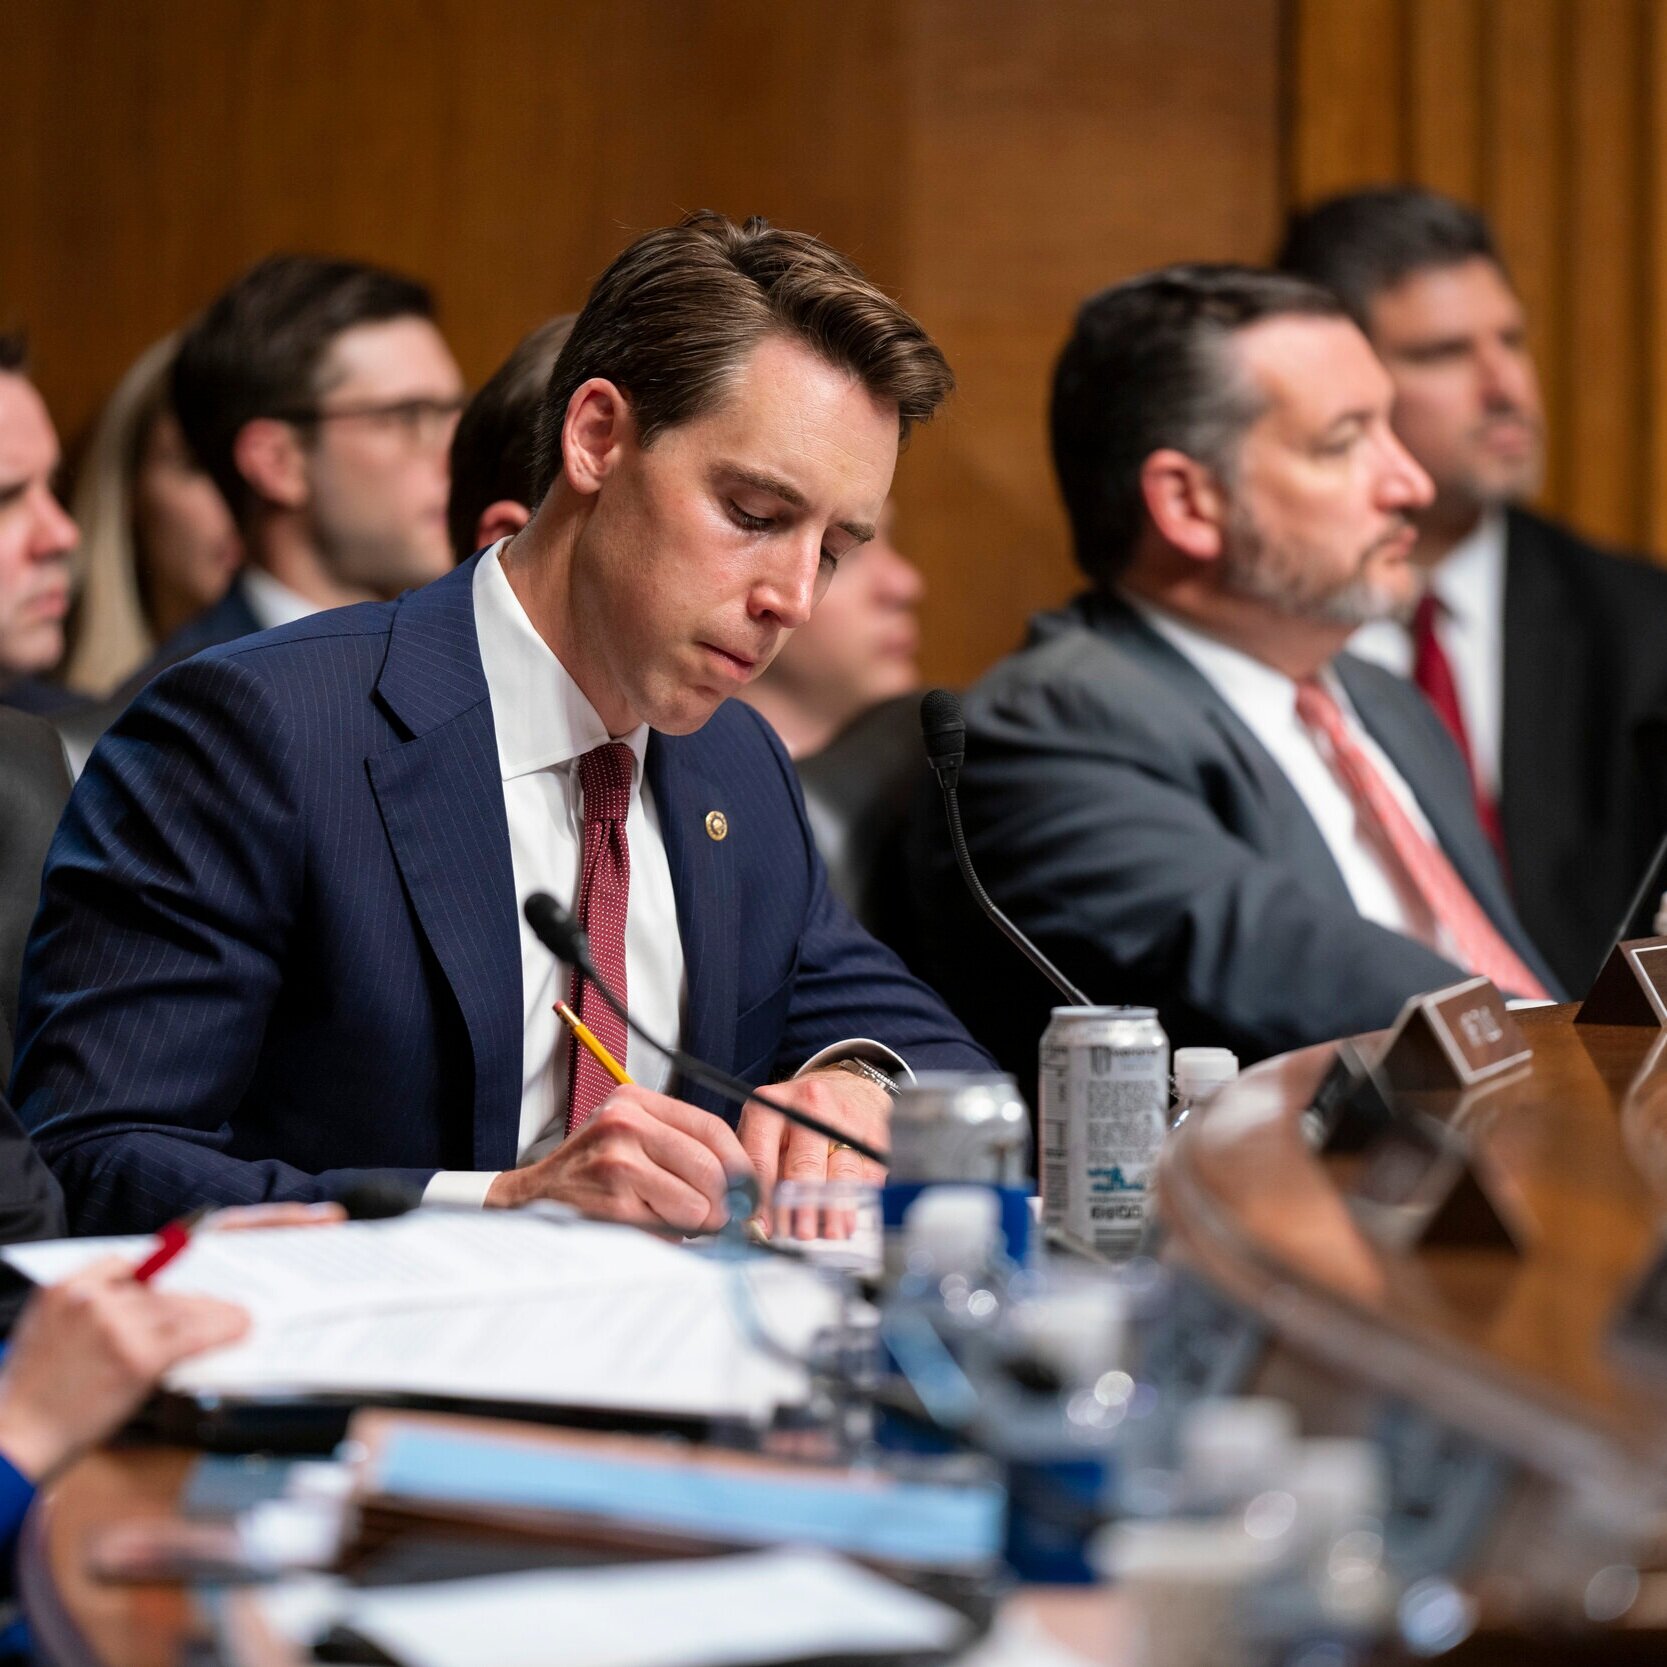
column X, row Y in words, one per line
column 1121, row 812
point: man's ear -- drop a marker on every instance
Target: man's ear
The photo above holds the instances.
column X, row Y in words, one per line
column 595, row 434
column 1186, row 503
column 502, row 519
column 269, row 455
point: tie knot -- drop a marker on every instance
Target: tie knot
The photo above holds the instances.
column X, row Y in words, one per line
column 1317, row 709
column 1430, row 608
column 605, row 781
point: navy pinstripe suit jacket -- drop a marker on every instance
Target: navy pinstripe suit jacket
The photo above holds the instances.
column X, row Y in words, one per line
column 278, row 937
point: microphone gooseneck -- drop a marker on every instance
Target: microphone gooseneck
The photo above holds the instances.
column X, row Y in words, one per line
column 562, row 935
column 944, row 730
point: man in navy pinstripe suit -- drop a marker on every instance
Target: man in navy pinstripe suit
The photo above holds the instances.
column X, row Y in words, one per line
column 280, row 942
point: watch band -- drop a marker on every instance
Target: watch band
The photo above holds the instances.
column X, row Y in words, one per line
column 873, row 1073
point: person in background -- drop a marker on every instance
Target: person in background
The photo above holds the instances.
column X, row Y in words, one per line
column 1180, row 786
column 1545, row 656
column 320, row 397
column 494, row 451
column 37, row 538
column 859, row 648
column 158, row 544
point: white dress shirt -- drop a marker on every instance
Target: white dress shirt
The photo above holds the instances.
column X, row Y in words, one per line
column 1265, row 700
column 1470, row 626
column 273, row 604
column 544, row 726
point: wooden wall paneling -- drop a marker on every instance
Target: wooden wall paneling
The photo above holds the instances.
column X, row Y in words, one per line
column 1527, row 190
column 1600, row 420
column 990, row 164
column 1345, row 101
column 1444, row 80
column 1054, row 150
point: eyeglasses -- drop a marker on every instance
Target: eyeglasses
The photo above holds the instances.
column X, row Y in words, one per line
column 421, row 422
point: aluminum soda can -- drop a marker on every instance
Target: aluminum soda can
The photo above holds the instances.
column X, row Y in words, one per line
column 1104, row 1101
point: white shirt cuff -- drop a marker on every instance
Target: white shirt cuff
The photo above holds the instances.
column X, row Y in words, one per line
column 465, row 1187
column 860, row 1047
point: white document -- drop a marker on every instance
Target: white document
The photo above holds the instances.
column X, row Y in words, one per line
column 761, row 1606
column 501, row 1306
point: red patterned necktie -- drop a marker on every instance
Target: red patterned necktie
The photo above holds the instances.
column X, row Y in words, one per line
column 1476, row 941
column 1432, row 671
column 604, row 893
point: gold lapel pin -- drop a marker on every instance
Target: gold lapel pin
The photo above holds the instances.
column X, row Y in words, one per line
column 717, row 825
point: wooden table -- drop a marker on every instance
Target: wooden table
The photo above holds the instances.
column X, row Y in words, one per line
column 1512, row 1349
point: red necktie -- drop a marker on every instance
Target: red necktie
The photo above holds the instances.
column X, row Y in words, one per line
column 1474, row 937
column 1432, row 671
column 604, row 893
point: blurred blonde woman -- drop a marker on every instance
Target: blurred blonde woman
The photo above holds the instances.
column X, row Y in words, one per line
column 158, row 545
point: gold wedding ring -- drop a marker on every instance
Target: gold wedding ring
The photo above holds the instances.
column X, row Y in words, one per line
column 839, row 1146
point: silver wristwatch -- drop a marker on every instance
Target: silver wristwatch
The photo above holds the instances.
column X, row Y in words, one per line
column 871, row 1073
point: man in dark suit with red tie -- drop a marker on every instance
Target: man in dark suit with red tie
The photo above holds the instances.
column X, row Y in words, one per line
column 281, row 939
column 1545, row 656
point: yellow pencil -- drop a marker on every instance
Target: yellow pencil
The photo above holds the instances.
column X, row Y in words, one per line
column 587, row 1040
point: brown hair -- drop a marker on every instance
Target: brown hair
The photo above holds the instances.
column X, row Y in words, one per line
column 676, row 312
column 259, row 347
column 494, row 448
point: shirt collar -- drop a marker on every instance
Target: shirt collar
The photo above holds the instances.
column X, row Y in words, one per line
column 1247, row 684
column 1470, row 581
column 541, row 715
column 271, row 602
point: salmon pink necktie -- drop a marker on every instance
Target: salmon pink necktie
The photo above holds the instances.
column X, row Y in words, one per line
column 604, row 893
column 1476, row 941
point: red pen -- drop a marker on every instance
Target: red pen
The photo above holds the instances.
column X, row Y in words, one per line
column 170, row 1241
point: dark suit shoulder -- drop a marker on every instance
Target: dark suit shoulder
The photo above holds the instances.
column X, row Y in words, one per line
column 1107, row 680
column 362, row 619
column 1627, row 576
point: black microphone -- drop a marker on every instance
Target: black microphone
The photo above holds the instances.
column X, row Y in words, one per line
column 944, row 730
column 562, row 935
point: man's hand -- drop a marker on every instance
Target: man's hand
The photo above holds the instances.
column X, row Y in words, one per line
column 644, row 1158
column 782, row 1151
column 88, row 1351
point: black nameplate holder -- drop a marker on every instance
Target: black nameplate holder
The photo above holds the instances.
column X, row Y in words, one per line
column 1453, row 1038
column 1352, row 1104
column 1420, row 1187
column 1631, row 989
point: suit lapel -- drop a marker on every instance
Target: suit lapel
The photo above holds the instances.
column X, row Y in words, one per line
column 1299, row 839
column 703, row 881
column 441, row 802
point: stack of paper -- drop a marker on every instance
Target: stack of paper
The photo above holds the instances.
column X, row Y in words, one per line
column 491, row 1307
column 762, row 1607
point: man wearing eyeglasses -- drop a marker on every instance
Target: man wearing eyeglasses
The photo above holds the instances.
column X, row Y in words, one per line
column 321, row 397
